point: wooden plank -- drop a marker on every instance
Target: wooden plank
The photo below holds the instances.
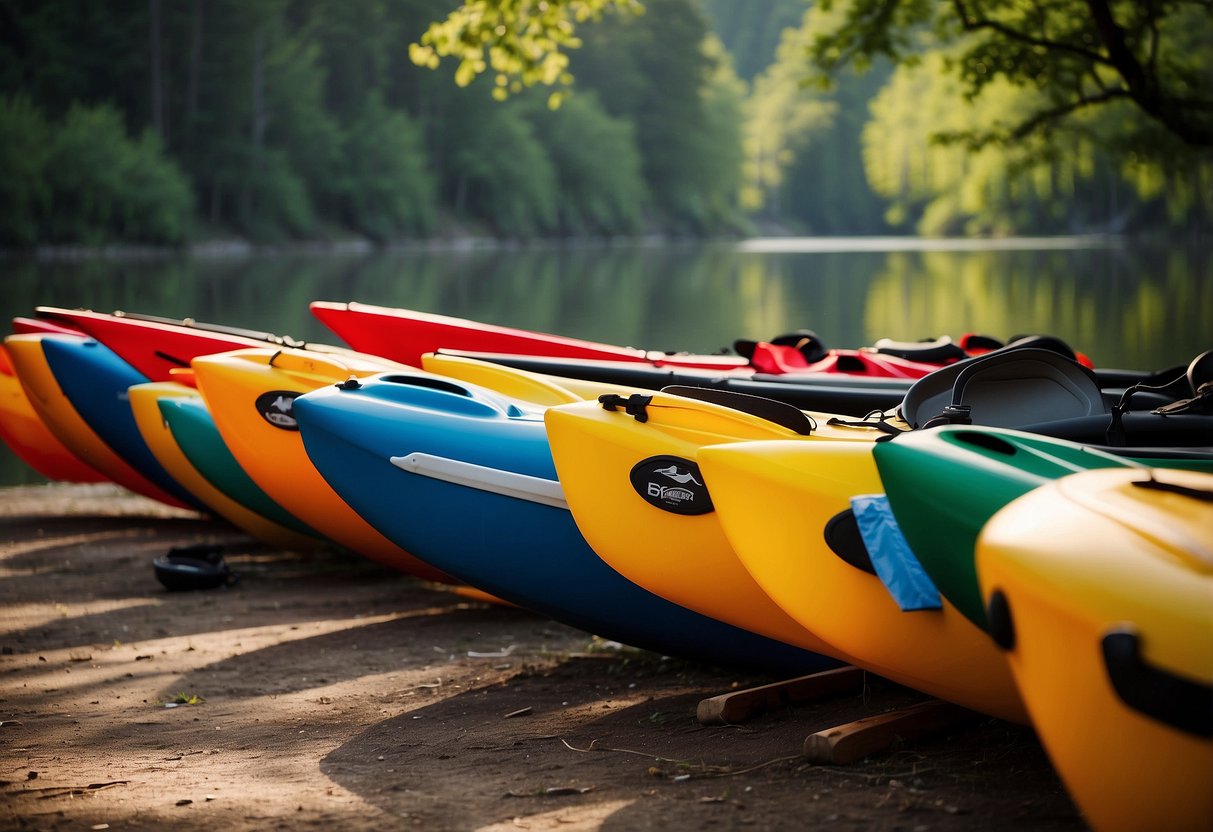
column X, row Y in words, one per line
column 738, row 706
column 848, row 743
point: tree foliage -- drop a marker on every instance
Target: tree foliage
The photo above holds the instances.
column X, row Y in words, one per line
column 305, row 118
column 24, row 191
column 665, row 75
column 597, row 164
column 751, row 30
column 523, row 42
column 1075, row 54
column 83, row 178
column 782, row 117
column 279, row 119
column 384, row 187
column 1069, row 183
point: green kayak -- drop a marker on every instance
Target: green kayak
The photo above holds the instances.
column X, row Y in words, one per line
column 199, row 439
column 943, row 484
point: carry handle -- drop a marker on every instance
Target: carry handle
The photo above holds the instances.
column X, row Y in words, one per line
column 780, row 413
column 1181, row 703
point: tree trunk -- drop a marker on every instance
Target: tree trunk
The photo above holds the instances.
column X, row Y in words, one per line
column 195, row 72
column 157, row 69
column 257, row 126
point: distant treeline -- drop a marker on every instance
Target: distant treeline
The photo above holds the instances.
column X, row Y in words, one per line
column 154, row 121
column 149, row 121
column 864, row 157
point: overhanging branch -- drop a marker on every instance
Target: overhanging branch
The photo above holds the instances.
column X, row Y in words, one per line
column 1052, row 114
column 972, row 23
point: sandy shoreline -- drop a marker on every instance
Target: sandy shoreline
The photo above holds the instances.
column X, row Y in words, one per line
column 337, row 695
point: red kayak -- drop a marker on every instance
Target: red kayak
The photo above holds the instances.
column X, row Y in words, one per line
column 405, row 335
column 156, row 346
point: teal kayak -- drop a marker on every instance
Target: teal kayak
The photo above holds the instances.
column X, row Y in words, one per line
column 199, row 439
column 943, row 484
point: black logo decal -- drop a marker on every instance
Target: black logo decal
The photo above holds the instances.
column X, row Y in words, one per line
column 671, row 484
column 278, row 408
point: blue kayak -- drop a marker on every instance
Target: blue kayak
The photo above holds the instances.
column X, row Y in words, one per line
column 463, row 478
column 95, row 380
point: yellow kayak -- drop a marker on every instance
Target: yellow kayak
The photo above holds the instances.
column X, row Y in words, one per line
column 1100, row 587
column 145, row 402
column 61, row 418
column 537, row 388
column 632, row 484
column 775, row 501
column 24, row 432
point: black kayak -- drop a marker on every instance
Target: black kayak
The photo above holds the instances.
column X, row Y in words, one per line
column 846, row 395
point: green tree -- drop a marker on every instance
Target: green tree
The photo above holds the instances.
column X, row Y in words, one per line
column 718, row 149
column 1072, row 182
column 782, row 117
column 296, row 121
column 24, row 148
column 751, row 31
column 62, row 52
column 678, row 117
column 383, row 187
column 157, row 202
column 826, row 188
column 522, row 42
column 1076, row 54
column 597, row 164
column 104, row 187
column 517, row 198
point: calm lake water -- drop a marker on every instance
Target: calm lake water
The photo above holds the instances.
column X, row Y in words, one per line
column 1125, row 305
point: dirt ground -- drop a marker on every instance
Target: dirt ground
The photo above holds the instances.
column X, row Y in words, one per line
column 324, row 692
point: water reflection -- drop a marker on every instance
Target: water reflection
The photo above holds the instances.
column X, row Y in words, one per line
column 1125, row 306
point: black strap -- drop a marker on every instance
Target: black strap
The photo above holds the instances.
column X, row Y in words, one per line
column 1172, row 387
column 1202, row 494
column 781, row 413
column 172, row 359
column 880, row 424
column 935, row 351
column 952, row 414
column 1202, row 402
column 634, row 405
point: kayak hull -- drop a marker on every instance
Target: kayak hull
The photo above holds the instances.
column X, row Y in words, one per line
column 1104, row 592
column 775, row 501
column 154, row 348
column 673, row 544
column 463, row 477
column 405, row 335
column 945, row 483
column 152, row 404
column 66, row 423
column 96, row 380
column 28, row 437
column 828, row 393
column 250, row 393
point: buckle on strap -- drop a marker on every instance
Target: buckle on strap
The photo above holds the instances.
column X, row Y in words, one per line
column 1202, row 402
column 634, row 405
column 880, row 425
column 952, row 414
